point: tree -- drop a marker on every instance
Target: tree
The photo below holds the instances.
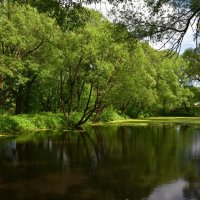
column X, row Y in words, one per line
column 167, row 20
column 171, row 83
column 93, row 62
column 25, row 36
column 68, row 14
column 153, row 83
column 136, row 90
column 162, row 20
column 192, row 57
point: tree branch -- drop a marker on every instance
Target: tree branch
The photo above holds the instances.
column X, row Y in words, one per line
column 34, row 49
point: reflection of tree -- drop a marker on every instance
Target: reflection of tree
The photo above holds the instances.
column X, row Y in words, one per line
column 192, row 191
column 119, row 163
column 192, row 175
column 142, row 158
column 100, row 146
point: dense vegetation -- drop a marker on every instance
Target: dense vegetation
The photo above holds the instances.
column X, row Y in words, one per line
column 74, row 61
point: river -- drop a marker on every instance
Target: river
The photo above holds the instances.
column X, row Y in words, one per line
column 160, row 162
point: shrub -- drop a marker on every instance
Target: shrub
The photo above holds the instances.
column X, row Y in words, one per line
column 74, row 118
column 110, row 114
column 31, row 121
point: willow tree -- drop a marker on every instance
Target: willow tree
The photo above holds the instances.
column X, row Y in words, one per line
column 159, row 20
column 92, row 63
column 25, row 37
column 68, row 14
column 166, row 20
column 136, row 90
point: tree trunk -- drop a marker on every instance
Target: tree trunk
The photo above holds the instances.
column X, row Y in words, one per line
column 27, row 95
column 99, row 111
column 79, row 93
column 164, row 107
column 71, row 97
column 18, row 102
column 186, row 107
column 123, row 107
column 87, row 113
column 62, row 104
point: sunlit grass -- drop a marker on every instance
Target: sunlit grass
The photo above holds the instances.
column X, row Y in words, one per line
column 153, row 120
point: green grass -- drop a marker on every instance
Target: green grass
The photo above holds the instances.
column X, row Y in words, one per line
column 16, row 123
column 153, row 121
column 110, row 114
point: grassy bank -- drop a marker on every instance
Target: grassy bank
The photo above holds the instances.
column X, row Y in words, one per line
column 42, row 121
column 15, row 123
column 153, row 121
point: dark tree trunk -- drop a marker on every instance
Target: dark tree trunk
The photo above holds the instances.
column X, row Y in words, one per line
column 71, row 97
column 62, row 104
column 164, row 107
column 186, row 107
column 79, row 93
column 87, row 112
column 123, row 107
column 18, row 102
column 27, row 95
column 99, row 110
column 140, row 108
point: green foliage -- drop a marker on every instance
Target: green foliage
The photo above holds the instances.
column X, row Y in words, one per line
column 74, row 118
column 110, row 114
column 88, row 72
column 32, row 121
column 192, row 57
column 195, row 111
column 69, row 15
column 47, row 120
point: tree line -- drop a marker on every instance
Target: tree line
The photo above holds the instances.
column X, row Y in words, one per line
column 70, row 59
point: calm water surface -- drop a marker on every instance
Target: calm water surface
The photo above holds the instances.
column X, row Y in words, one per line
column 124, row 163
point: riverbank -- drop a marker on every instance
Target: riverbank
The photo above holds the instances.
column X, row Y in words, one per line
column 18, row 123
column 153, row 121
column 47, row 121
column 51, row 121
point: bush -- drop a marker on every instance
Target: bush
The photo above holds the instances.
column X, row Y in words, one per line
column 143, row 115
column 47, row 120
column 182, row 112
column 74, row 118
column 110, row 114
column 31, row 121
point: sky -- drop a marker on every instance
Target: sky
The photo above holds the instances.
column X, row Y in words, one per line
column 188, row 41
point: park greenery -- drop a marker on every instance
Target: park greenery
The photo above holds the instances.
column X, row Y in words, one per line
column 68, row 64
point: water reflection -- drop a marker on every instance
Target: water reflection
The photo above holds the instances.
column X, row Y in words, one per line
column 195, row 147
column 151, row 162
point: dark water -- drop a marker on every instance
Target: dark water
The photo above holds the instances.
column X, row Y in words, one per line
column 124, row 163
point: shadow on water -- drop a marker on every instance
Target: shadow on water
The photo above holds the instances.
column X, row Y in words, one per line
column 153, row 163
